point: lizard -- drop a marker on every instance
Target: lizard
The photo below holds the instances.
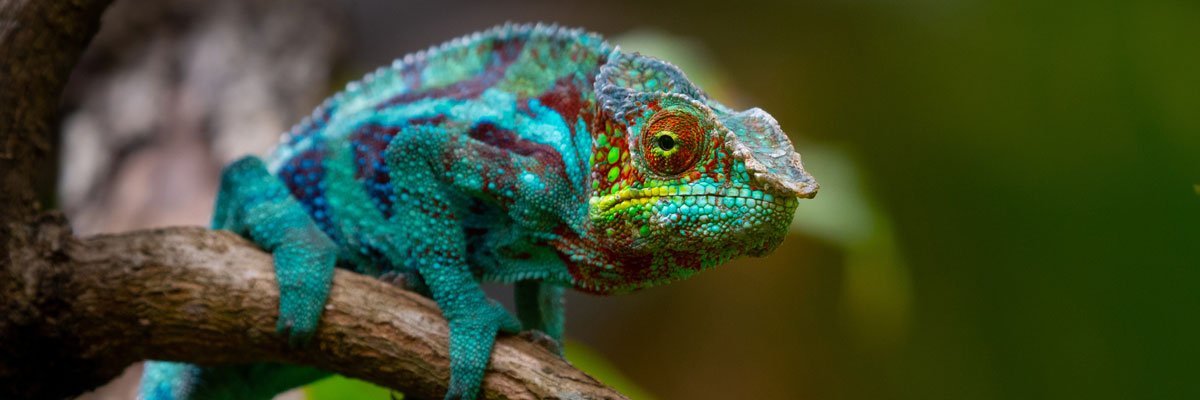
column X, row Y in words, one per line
column 536, row 155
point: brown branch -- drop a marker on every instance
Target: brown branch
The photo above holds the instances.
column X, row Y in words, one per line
column 207, row 297
column 40, row 41
column 74, row 312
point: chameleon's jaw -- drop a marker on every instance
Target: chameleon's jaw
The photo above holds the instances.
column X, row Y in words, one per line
column 702, row 217
column 687, row 199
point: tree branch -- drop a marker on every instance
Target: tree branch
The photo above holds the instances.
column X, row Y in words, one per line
column 194, row 295
column 75, row 312
column 40, row 41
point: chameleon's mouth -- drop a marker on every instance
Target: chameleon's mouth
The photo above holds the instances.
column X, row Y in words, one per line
column 685, row 199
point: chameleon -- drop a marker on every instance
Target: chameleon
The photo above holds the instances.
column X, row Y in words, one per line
column 536, row 155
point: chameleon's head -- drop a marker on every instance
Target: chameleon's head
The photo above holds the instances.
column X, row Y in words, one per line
column 681, row 183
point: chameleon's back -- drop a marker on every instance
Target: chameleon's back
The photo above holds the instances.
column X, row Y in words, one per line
column 495, row 76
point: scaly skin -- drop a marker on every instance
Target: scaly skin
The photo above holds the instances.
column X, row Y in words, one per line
column 532, row 155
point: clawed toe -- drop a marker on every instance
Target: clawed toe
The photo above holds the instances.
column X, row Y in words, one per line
column 542, row 339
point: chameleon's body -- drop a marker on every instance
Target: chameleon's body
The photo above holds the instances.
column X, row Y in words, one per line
column 532, row 155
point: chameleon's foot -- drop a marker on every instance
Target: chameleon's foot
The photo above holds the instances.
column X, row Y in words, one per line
column 305, row 271
column 471, row 338
column 542, row 339
column 297, row 326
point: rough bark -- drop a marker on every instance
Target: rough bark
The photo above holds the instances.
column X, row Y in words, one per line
column 210, row 297
column 76, row 311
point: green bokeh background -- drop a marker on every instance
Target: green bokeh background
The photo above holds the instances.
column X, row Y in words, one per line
column 1009, row 207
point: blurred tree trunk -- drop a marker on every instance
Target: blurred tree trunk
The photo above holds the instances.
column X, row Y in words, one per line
column 168, row 93
column 40, row 41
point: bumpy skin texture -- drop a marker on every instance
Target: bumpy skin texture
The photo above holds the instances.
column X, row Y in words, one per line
column 533, row 155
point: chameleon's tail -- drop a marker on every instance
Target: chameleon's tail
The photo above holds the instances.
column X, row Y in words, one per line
column 162, row 380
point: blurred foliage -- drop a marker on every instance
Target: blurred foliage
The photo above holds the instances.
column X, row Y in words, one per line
column 338, row 387
column 1034, row 161
column 592, row 362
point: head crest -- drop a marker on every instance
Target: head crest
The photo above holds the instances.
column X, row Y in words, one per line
column 627, row 78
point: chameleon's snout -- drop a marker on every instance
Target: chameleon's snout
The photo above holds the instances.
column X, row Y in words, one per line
column 805, row 188
column 756, row 139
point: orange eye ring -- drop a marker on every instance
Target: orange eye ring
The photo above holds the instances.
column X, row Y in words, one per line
column 671, row 143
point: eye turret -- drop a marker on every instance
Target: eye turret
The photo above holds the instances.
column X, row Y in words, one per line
column 672, row 143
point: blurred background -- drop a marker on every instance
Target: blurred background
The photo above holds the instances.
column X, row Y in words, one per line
column 1010, row 202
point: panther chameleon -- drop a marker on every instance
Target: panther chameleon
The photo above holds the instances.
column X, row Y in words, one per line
column 528, row 154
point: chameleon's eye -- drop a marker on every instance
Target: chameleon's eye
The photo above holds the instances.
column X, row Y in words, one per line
column 665, row 140
column 672, row 143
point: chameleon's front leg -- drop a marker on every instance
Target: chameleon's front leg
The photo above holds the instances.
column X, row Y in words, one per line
column 430, row 235
column 474, row 322
column 540, row 307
